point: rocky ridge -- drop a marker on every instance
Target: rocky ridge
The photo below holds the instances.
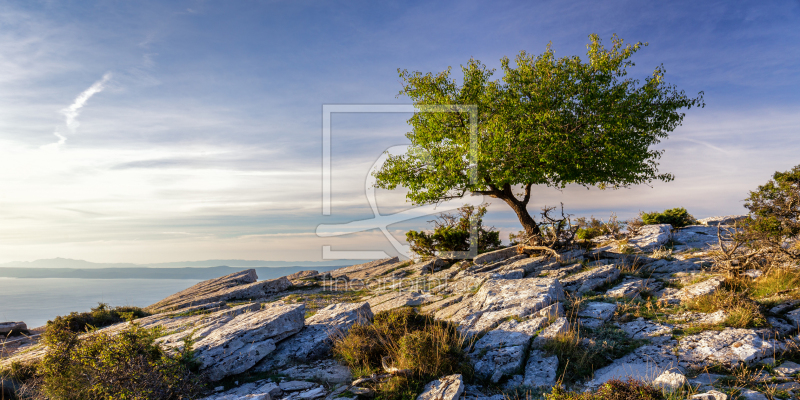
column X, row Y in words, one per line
column 512, row 304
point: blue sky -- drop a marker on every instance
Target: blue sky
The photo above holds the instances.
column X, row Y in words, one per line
column 189, row 130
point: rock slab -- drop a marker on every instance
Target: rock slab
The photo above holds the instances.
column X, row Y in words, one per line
column 247, row 339
column 445, row 388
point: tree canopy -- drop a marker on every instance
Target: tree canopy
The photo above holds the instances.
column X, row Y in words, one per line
column 548, row 121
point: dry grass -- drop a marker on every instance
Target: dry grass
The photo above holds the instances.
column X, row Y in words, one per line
column 612, row 390
column 742, row 311
column 406, row 340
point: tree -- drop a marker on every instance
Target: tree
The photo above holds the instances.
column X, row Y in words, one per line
column 548, row 121
column 775, row 214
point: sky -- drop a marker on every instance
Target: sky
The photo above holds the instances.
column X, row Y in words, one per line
column 145, row 132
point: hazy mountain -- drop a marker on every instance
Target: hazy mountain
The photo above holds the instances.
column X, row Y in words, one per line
column 55, row 263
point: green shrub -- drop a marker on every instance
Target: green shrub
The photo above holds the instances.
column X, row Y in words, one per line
column 407, row 340
column 677, row 217
column 591, row 228
column 100, row 316
column 452, row 233
column 612, row 390
column 101, row 366
column 775, row 213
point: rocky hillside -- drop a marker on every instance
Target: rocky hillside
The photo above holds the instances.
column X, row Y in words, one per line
column 650, row 307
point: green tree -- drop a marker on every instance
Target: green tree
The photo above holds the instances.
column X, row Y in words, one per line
column 775, row 214
column 548, row 121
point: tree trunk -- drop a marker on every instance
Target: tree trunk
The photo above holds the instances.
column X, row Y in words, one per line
column 528, row 223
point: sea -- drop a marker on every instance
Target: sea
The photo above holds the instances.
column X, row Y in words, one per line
column 35, row 301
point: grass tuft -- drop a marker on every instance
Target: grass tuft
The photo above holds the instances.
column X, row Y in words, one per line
column 406, row 340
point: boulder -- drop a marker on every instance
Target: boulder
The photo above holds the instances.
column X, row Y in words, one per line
column 651, row 237
column 496, row 255
column 445, row 388
column 236, row 286
column 592, row 279
column 12, row 328
column 670, row 381
column 247, row 339
column 501, row 352
column 729, row 347
column 355, row 270
column 314, row 341
column 540, row 370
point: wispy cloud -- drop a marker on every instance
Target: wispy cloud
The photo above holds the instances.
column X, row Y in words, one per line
column 71, row 113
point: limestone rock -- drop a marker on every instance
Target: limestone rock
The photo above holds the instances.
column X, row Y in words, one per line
column 445, row 388
column 314, row 340
column 436, row 306
column 747, row 394
column 540, row 370
column 644, row 329
column 501, row 351
column 783, row 307
column 202, row 292
column 11, row 328
column 629, row 289
column 303, row 275
column 261, row 390
column 788, row 368
column 236, row 286
column 794, row 317
column 698, row 289
column 781, row 326
column 319, row 371
column 558, row 327
column 670, row 381
column 722, row 220
column 645, row 363
column 496, row 255
column 651, row 237
column 553, row 311
column 590, row 280
column 699, row 236
column 518, row 273
column 710, row 395
column 729, row 347
column 596, row 313
column 403, row 299
column 247, row 339
column 555, row 270
column 498, row 299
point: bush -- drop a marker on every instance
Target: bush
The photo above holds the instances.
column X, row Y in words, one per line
column 452, row 233
column 128, row 365
column 593, row 227
column 742, row 311
column 612, row 390
column 100, row 316
column 406, row 340
column 677, row 217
